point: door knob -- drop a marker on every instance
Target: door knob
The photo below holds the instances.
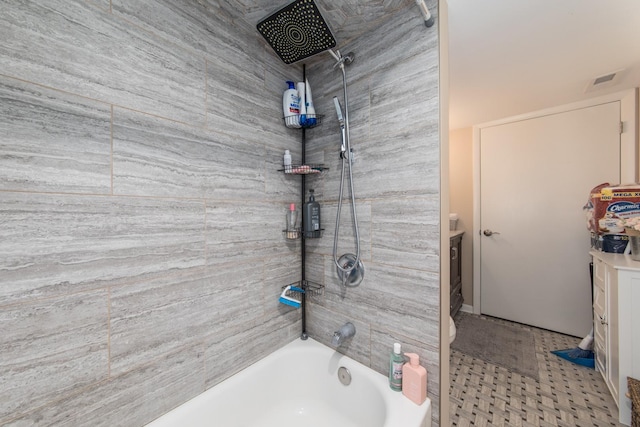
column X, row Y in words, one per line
column 488, row 232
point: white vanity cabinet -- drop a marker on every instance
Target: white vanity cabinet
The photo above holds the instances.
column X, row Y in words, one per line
column 616, row 317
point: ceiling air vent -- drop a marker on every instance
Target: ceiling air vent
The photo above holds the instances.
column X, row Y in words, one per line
column 604, row 81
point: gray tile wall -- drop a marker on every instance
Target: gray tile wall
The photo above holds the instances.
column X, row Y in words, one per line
column 141, row 208
column 394, row 102
column 141, row 250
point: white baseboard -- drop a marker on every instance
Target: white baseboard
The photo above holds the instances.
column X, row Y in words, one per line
column 467, row 308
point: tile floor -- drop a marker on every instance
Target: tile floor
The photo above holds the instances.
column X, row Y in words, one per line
column 483, row 394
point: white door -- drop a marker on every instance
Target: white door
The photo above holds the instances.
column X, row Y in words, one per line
column 535, row 177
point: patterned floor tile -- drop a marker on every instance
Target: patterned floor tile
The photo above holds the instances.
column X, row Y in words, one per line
column 483, row 394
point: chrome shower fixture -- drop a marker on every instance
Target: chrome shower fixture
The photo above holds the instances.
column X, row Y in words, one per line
column 341, row 61
column 426, row 15
column 343, row 147
column 297, row 31
column 349, row 267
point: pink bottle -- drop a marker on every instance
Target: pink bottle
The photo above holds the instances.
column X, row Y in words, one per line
column 414, row 379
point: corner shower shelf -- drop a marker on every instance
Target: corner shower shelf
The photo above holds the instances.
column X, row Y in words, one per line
column 298, row 232
column 292, row 234
column 311, row 124
column 311, row 289
column 306, row 169
column 313, row 234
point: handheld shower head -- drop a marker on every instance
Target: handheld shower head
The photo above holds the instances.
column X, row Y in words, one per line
column 338, row 109
column 343, row 146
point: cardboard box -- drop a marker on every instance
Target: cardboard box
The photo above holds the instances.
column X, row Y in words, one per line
column 610, row 204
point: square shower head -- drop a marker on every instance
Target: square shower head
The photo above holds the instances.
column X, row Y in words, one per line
column 297, row 31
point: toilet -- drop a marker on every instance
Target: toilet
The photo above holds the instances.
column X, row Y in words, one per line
column 452, row 330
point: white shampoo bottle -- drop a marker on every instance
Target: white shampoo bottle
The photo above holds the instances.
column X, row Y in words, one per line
column 291, row 106
column 303, row 107
column 311, row 111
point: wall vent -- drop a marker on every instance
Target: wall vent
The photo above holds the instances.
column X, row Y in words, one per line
column 604, row 81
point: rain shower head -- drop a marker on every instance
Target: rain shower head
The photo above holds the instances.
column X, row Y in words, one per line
column 297, row 31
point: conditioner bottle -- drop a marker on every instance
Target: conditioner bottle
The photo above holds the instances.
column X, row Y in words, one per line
column 414, row 379
column 311, row 216
column 395, row 368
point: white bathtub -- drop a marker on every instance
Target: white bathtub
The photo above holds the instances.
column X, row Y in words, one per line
column 298, row 386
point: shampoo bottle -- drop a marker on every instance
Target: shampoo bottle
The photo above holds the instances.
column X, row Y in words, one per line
column 395, row 368
column 291, row 106
column 311, row 111
column 414, row 378
column 311, row 217
column 303, row 103
column 286, row 161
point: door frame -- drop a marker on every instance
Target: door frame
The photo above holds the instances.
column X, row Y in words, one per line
column 629, row 158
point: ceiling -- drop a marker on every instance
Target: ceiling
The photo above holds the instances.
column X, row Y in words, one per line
column 509, row 57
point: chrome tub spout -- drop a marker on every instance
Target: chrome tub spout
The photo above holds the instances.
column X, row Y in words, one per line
column 345, row 332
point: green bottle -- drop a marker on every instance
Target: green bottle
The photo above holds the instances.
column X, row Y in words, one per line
column 395, row 368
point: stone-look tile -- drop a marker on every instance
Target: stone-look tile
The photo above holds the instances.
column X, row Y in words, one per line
column 278, row 273
column 243, row 109
column 323, row 322
column 151, row 318
column 277, row 73
column 406, row 298
column 133, row 399
column 391, row 114
column 399, row 36
column 236, row 231
column 397, row 167
column 314, row 269
column 346, row 237
column 233, row 350
column 201, row 27
column 55, row 244
column 85, row 50
column 406, row 232
column 53, row 141
column 103, row 4
column 278, row 185
column 402, row 157
column 156, row 157
column 51, row 348
column 154, row 66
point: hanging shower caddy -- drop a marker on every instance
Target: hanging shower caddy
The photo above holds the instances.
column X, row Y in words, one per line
column 310, row 289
